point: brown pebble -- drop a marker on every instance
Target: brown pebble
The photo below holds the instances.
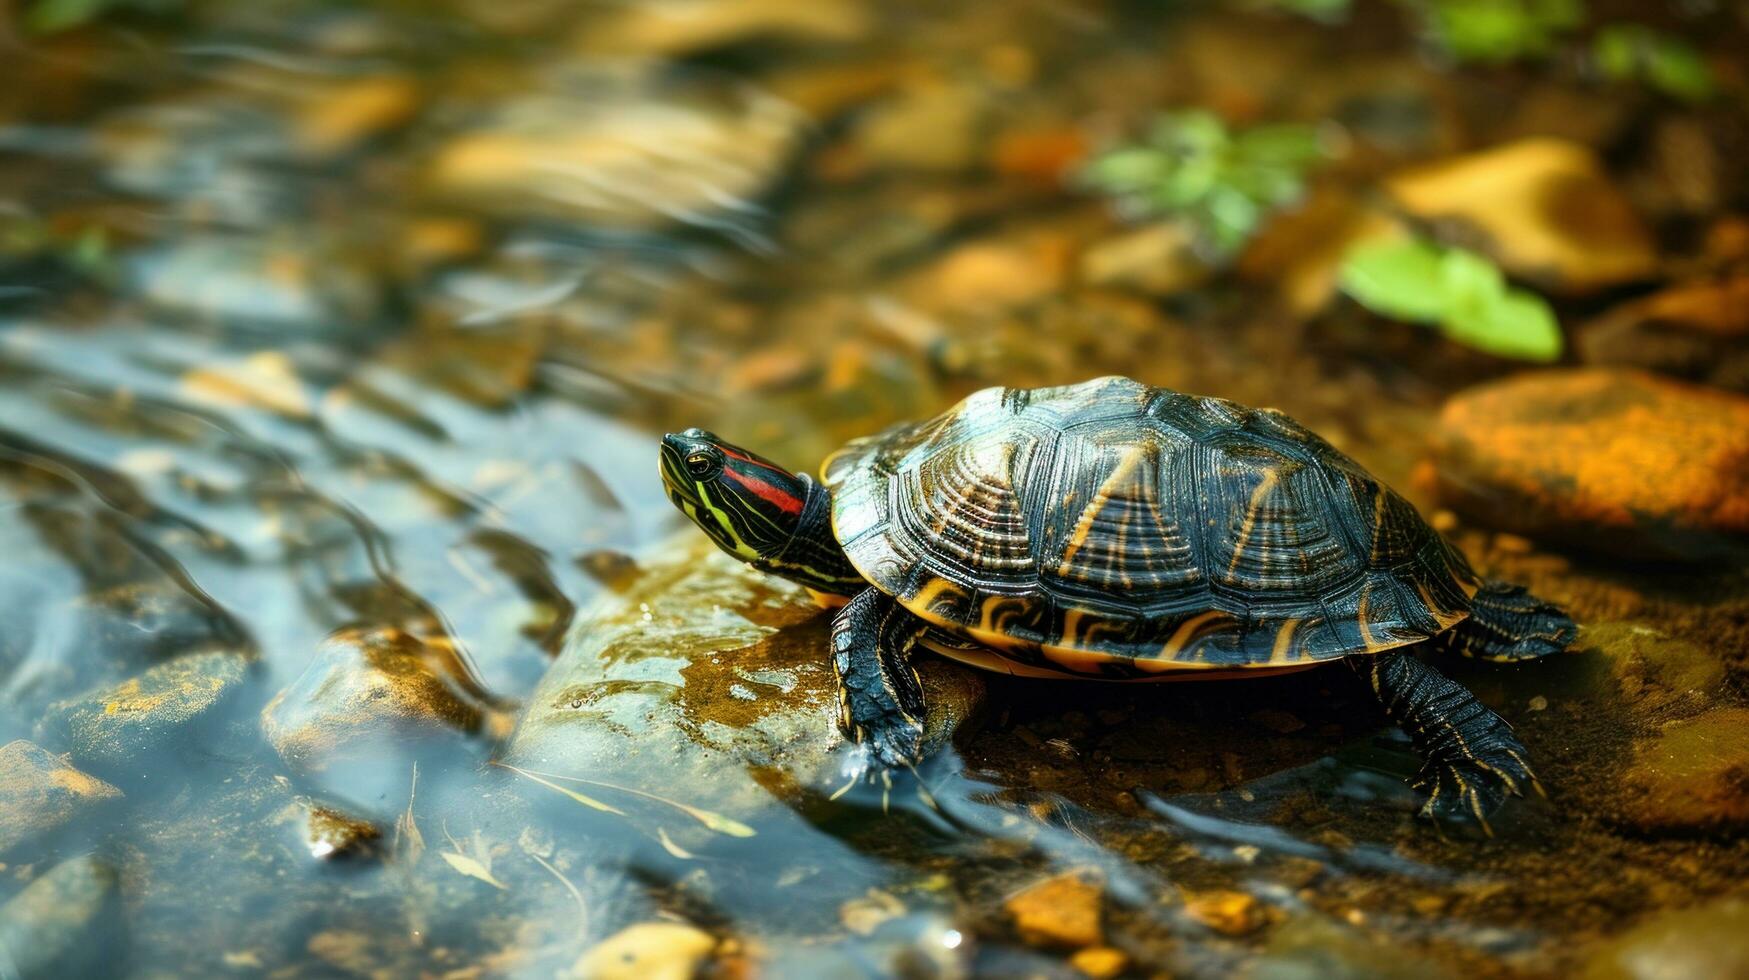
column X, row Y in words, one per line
column 1230, row 913
column 1100, row 962
column 1059, row 911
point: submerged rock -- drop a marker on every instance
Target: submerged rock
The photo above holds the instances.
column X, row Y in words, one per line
column 331, row 834
column 40, row 793
column 110, row 728
column 1606, row 459
column 366, row 704
column 45, row 925
column 647, row 951
column 1693, row 775
column 1692, row 944
column 1063, row 910
column 1543, row 208
column 699, row 674
column 1698, row 331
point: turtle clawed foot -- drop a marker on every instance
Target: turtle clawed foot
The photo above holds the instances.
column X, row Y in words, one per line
column 1468, row 790
column 898, row 745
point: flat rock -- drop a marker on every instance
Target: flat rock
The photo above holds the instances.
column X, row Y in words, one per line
column 1700, row 943
column 1607, row 459
column 1692, row 776
column 701, row 673
column 620, row 151
column 1698, row 331
column 1543, row 208
column 1655, row 673
column 110, row 728
column 44, row 925
column 40, row 793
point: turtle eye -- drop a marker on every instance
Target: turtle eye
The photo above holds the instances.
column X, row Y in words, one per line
column 703, row 463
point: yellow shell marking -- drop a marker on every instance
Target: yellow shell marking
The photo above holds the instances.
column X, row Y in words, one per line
column 1284, row 642
column 1263, row 488
column 1119, row 473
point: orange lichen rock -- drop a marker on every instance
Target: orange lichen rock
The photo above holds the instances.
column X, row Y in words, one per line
column 1613, row 460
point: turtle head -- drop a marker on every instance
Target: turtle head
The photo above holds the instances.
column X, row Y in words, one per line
column 750, row 506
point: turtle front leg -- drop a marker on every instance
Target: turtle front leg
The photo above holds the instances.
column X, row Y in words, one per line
column 879, row 694
column 1471, row 760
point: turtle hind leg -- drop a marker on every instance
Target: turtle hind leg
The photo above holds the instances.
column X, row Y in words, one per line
column 1507, row 623
column 880, row 696
column 1471, row 760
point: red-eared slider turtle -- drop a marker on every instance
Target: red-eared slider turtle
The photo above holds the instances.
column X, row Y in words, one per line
column 1117, row 531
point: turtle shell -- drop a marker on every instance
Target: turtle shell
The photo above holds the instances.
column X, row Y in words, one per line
column 1119, row 530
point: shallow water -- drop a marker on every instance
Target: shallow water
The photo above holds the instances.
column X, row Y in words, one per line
column 366, row 317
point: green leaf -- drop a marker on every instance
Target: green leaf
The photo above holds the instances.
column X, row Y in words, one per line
column 1398, row 279
column 1518, row 324
column 1462, row 293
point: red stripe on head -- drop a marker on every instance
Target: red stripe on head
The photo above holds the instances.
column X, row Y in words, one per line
column 789, row 503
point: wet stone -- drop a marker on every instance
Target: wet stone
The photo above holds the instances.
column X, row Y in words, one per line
column 1692, row 776
column 1652, row 671
column 1543, row 208
column 1063, row 910
column 47, row 925
column 700, row 671
column 369, row 700
column 110, row 728
column 1708, row 941
column 647, row 951
column 1698, row 331
column 40, row 793
column 1606, row 459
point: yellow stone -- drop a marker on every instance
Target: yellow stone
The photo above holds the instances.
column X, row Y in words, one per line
column 647, row 951
column 1546, row 207
column 1231, row 913
column 1100, row 962
column 1059, row 911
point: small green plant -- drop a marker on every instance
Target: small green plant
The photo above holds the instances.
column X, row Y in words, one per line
column 1498, row 31
column 1635, row 52
column 1194, row 168
column 1459, row 292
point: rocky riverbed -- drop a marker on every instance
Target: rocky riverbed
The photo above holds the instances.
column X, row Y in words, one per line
column 347, row 630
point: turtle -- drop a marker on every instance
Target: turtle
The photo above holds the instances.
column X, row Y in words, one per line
column 1112, row 530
